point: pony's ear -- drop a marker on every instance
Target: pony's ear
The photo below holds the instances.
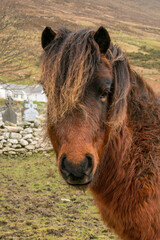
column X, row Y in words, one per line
column 102, row 37
column 47, row 36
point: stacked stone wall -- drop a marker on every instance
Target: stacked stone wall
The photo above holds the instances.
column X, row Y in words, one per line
column 23, row 139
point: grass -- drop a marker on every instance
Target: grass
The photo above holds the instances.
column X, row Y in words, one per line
column 150, row 59
column 37, row 204
column 141, row 51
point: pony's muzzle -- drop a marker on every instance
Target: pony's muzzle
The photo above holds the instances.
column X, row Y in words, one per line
column 77, row 174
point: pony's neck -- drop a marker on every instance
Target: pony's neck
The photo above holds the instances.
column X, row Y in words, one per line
column 112, row 168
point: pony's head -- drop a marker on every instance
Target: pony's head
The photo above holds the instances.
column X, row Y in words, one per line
column 86, row 80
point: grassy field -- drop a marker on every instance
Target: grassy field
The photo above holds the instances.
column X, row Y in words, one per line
column 37, row 204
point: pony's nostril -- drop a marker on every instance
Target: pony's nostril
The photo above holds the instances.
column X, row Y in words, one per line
column 89, row 163
column 62, row 162
column 63, row 165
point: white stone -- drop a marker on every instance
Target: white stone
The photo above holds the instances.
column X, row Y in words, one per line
column 6, row 135
column 27, row 136
column 20, row 150
column 7, row 144
column 1, row 137
column 12, row 152
column 13, row 141
column 30, row 147
column 7, row 123
column 37, row 124
column 36, row 139
column 29, row 140
column 23, row 142
column 65, row 200
column 16, row 146
column 40, row 149
column 37, row 130
column 14, row 129
column 3, row 130
column 28, row 130
column 15, row 135
column 7, row 149
column 34, row 142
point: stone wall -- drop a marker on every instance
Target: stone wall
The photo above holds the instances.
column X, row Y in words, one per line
column 24, row 138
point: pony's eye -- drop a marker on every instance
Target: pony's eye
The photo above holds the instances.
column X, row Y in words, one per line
column 104, row 95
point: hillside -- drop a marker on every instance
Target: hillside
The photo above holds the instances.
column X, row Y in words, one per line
column 135, row 26
column 75, row 13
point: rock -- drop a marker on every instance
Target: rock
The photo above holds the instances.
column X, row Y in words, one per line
column 14, row 129
column 37, row 124
column 37, row 130
column 34, row 142
column 1, row 138
column 16, row 146
column 24, row 124
column 36, row 138
column 49, row 149
column 6, row 135
column 20, row 150
column 30, row 147
column 15, row 135
column 65, row 200
column 2, row 131
column 27, row 136
column 28, row 130
column 7, row 149
column 13, row 141
column 41, row 118
column 40, row 150
column 7, row 123
column 12, row 152
column 7, row 144
column 43, row 144
column 23, row 142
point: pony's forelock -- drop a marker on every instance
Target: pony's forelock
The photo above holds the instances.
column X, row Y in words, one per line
column 68, row 66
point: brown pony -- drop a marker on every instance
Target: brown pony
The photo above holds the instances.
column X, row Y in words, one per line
column 104, row 123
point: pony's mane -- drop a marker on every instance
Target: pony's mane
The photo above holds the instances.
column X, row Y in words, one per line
column 68, row 65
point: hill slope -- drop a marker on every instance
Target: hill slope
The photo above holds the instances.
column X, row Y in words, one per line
column 135, row 26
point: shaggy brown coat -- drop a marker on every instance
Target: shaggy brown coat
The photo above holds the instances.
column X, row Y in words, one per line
column 124, row 138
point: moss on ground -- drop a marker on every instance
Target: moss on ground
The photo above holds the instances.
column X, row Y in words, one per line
column 37, row 204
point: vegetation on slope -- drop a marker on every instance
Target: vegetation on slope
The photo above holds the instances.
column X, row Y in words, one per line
column 22, row 23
